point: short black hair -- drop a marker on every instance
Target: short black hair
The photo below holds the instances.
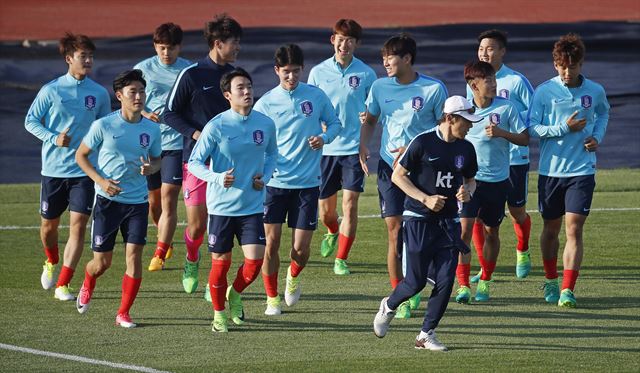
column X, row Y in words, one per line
column 477, row 69
column 225, row 81
column 70, row 43
column 168, row 33
column 400, row 45
column 221, row 28
column 289, row 54
column 495, row 34
column 127, row 77
column 348, row 27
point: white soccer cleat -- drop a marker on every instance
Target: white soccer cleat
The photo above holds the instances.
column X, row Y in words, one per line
column 292, row 289
column 82, row 302
column 383, row 319
column 429, row 341
column 124, row 320
column 47, row 279
column 274, row 306
column 62, row 293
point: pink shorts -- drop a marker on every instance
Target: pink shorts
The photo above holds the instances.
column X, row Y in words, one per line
column 193, row 189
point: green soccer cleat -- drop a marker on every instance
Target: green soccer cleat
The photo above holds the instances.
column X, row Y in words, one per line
column 482, row 292
column 567, row 299
column 464, row 295
column 236, row 311
column 190, row 276
column 207, row 293
column 329, row 244
column 219, row 324
column 523, row 264
column 414, row 302
column 551, row 290
column 292, row 289
column 341, row 268
column 475, row 279
column 403, row 311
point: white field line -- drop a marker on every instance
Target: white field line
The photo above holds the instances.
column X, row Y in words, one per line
column 183, row 223
column 79, row 359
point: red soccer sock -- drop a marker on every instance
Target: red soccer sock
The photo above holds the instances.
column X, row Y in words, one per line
column 161, row 250
column 130, row 287
column 52, row 254
column 569, row 277
column 462, row 274
column 218, row 283
column 487, row 270
column 523, row 232
column 478, row 241
column 270, row 284
column 193, row 246
column 344, row 246
column 89, row 282
column 247, row 273
column 394, row 282
column 333, row 227
column 66, row 274
column 295, row 269
column 550, row 268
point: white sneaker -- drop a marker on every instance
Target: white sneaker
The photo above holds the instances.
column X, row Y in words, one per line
column 383, row 319
column 124, row 320
column 292, row 289
column 274, row 307
column 429, row 341
column 62, row 293
column 82, row 302
column 47, row 279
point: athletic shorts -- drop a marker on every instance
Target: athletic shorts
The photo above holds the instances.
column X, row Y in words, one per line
column 390, row 196
column 56, row 194
column 487, row 203
column 248, row 229
column 194, row 190
column 340, row 172
column 519, row 185
column 301, row 206
column 170, row 171
column 557, row 195
column 109, row 217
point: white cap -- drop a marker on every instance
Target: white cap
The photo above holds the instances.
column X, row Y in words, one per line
column 459, row 105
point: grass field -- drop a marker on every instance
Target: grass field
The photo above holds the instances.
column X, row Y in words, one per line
column 331, row 328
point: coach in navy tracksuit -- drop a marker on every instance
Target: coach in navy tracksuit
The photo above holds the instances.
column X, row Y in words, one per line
column 437, row 173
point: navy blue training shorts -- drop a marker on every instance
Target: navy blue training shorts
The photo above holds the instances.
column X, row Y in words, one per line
column 301, row 206
column 248, row 229
column 56, row 194
column 109, row 217
column 340, row 172
column 557, row 195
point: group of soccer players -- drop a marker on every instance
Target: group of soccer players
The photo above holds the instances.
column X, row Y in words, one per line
column 447, row 166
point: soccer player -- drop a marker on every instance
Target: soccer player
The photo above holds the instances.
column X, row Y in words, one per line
column 406, row 104
column 160, row 72
column 60, row 116
column 501, row 126
column 436, row 172
column 298, row 110
column 194, row 100
column 346, row 80
column 128, row 147
column 515, row 87
column 241, row 144
column 569, row 113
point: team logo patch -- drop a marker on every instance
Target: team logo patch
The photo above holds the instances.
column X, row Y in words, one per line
column 89, row 102
column 354, row 81
column 45, row 206
column 186, row 193
column 307, row 108
column 212, row 239
column 417, row 103
column 145, row 139
column 586, row 101
column 494, row 118
column 504, row 93
column 258, row 136
column 98, row 240
column 458, row 161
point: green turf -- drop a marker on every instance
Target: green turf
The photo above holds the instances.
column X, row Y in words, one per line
column 331, row 328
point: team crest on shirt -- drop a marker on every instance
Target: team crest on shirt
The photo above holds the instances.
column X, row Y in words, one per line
column 307, row 108
column 417, row 103
column 45, row 206
column 212, row 239
column 89, row 102
column 494, row 118
column 458, row 161
column 258, row 136
column 354, row 81
column 145, row 139
column 586, row 101
column 98, row 240
column 504, row 93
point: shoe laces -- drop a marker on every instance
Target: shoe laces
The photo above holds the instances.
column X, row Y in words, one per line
column 191, row 269
column 463, row 289
column 273, row 302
